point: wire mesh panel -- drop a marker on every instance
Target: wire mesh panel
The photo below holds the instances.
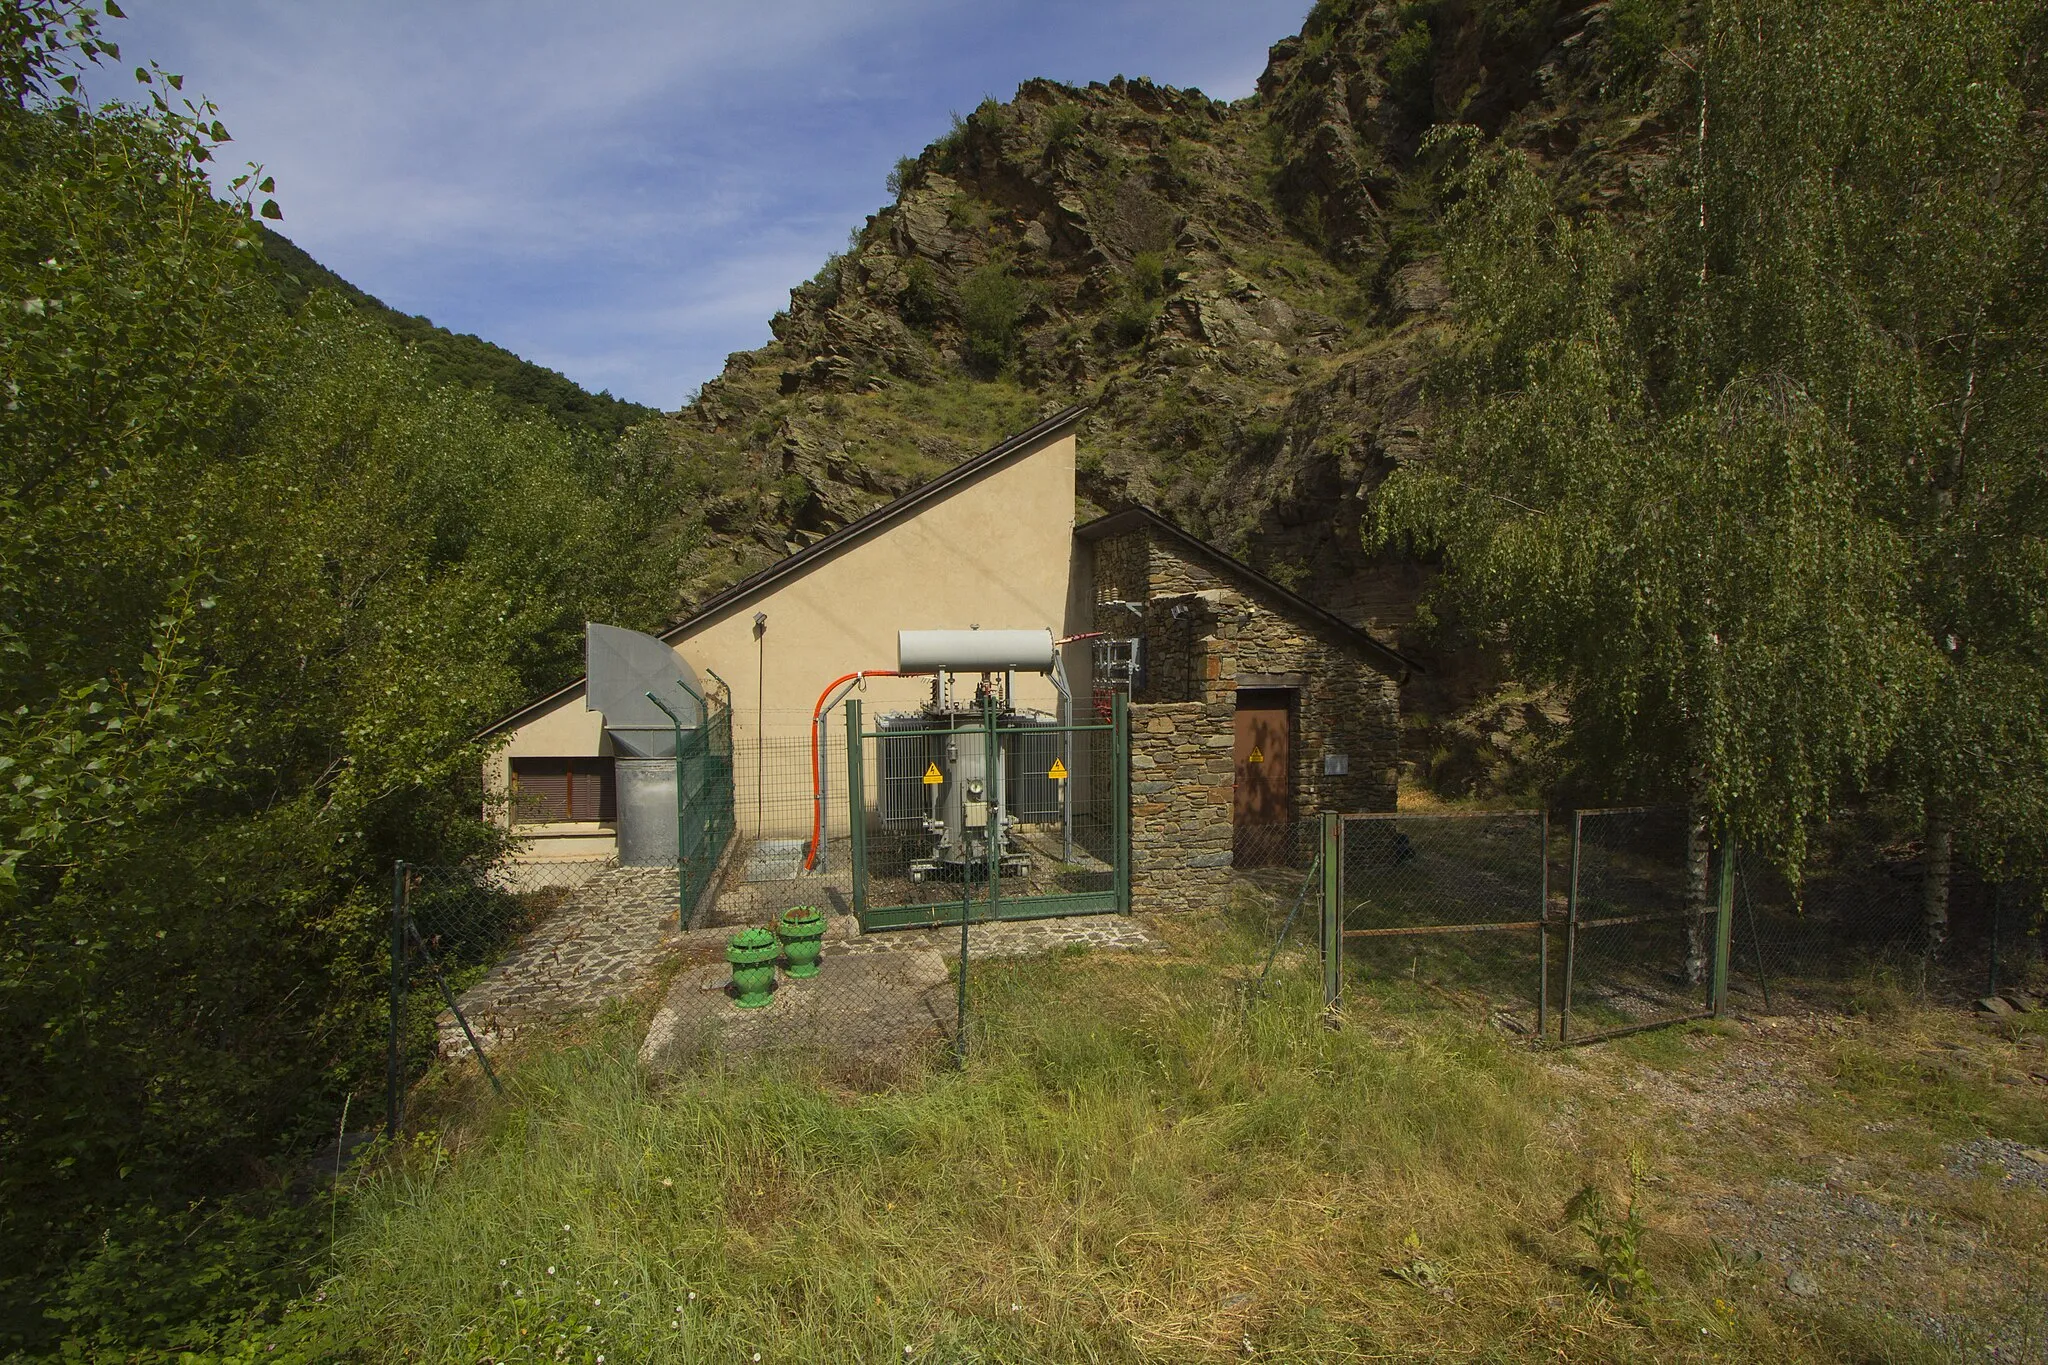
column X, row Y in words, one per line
column 1452, row 905
column 1639, row 929
column 704, row 805
column 1276, row 894
column 1856, row 911
column 984, row 815
column 790, row 845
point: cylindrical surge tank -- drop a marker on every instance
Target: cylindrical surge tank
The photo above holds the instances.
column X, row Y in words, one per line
column 974, row 651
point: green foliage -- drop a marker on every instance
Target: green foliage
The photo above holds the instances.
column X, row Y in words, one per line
column 1638, row 31
column 946, row 147
column 261, row 581
column 1064, row 124
column 1622, row 1272
column 1521, row 23
column 1151, row 275
column 921, row 303
column 828, row 284
column 993, row 303
column 1145, row 286
column 1728, row 471
column 157, row 1283
column 902, row 176
column 519, row 386
column 991, row 116
column 1411, row 67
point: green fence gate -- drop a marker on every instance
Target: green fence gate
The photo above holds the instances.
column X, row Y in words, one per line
column 981, row 815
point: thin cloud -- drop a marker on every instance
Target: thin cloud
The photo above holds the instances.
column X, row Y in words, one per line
column 626, row 192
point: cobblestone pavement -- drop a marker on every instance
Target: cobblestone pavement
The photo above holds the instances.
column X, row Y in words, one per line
column 609, row 938
column 614, row 934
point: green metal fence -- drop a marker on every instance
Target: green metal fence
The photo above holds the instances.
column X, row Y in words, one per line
column 704, row 804
column 1048, row 834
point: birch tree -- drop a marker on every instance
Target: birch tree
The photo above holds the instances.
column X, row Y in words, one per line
column 1756, row 471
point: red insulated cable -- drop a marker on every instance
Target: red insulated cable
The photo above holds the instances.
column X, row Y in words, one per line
column 818, row 806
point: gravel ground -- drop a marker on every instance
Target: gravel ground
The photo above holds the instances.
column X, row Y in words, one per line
column 1861, row 1220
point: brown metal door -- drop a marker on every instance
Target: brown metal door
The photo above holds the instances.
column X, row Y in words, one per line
column 1265, row 723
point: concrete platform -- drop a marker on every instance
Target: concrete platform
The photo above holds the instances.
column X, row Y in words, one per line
column 873, row 1012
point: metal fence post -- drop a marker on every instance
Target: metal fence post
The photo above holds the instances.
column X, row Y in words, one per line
column 1333, row 911
column 856, row 813
column 1120, row 796
column 1724, row 930
column 1571, row 932
column 1543, row 934
column 392, row 1073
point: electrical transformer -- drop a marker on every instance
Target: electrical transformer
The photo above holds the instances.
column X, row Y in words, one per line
column 937, row 779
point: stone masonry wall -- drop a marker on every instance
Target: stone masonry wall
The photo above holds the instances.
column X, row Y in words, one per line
column 1206, row 635
column 1180, row 804
column 1224, row 631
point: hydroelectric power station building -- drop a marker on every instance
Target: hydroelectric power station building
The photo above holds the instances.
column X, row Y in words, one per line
column 1242, row 705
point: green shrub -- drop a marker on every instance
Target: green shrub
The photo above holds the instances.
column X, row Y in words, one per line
column 920, row 304
column 1411, row 65
column 993, row 302
column 1638, row 31
column 1063, row 128
column 1152, row 275
column 1130, row 322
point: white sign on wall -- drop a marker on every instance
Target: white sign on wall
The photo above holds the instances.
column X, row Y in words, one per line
column 1336, row 765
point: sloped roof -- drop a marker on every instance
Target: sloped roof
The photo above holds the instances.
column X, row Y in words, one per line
column 852, row 533
column 1135, row 518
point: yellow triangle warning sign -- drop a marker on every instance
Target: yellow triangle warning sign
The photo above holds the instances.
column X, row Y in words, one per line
column 1058, row 771
column 1257, row 755
column 932, row 776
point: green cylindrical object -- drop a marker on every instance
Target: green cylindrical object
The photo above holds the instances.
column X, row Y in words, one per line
column 752, row 954
column 802, row 929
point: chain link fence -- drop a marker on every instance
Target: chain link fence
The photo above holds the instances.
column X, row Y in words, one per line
column 1276, row 898
column 1565, row 930
column 482, row 954
column 478, row 951
column 1448, row 909
column 1856, row 920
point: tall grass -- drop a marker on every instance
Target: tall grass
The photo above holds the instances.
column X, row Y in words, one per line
column 1133, row 1167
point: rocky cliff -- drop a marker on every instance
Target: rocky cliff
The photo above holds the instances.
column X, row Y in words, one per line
column 1246, row 292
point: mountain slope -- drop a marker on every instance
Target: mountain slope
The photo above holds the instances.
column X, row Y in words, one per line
column 1246, row 292
column 457, row 357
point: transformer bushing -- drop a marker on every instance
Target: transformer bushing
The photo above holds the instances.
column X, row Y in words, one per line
column 937, row 778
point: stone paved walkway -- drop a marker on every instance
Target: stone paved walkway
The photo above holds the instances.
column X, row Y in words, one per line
column 613, row 936
column 1011, row 938
column 607, row 939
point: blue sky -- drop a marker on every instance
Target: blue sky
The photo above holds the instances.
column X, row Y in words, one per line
column 626, row 191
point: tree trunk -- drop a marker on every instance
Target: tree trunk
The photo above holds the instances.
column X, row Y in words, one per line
column 1698, row 899
column 1934, row 879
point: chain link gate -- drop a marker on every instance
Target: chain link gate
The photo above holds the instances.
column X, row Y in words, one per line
column 1457, row 906
column 1645, row 945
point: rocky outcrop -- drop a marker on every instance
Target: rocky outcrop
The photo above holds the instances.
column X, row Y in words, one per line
column 1247, row 293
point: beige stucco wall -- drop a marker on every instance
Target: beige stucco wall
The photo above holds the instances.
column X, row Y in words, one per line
column 997, row 552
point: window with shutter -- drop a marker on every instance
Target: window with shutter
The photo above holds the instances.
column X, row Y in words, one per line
column 549, row 791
